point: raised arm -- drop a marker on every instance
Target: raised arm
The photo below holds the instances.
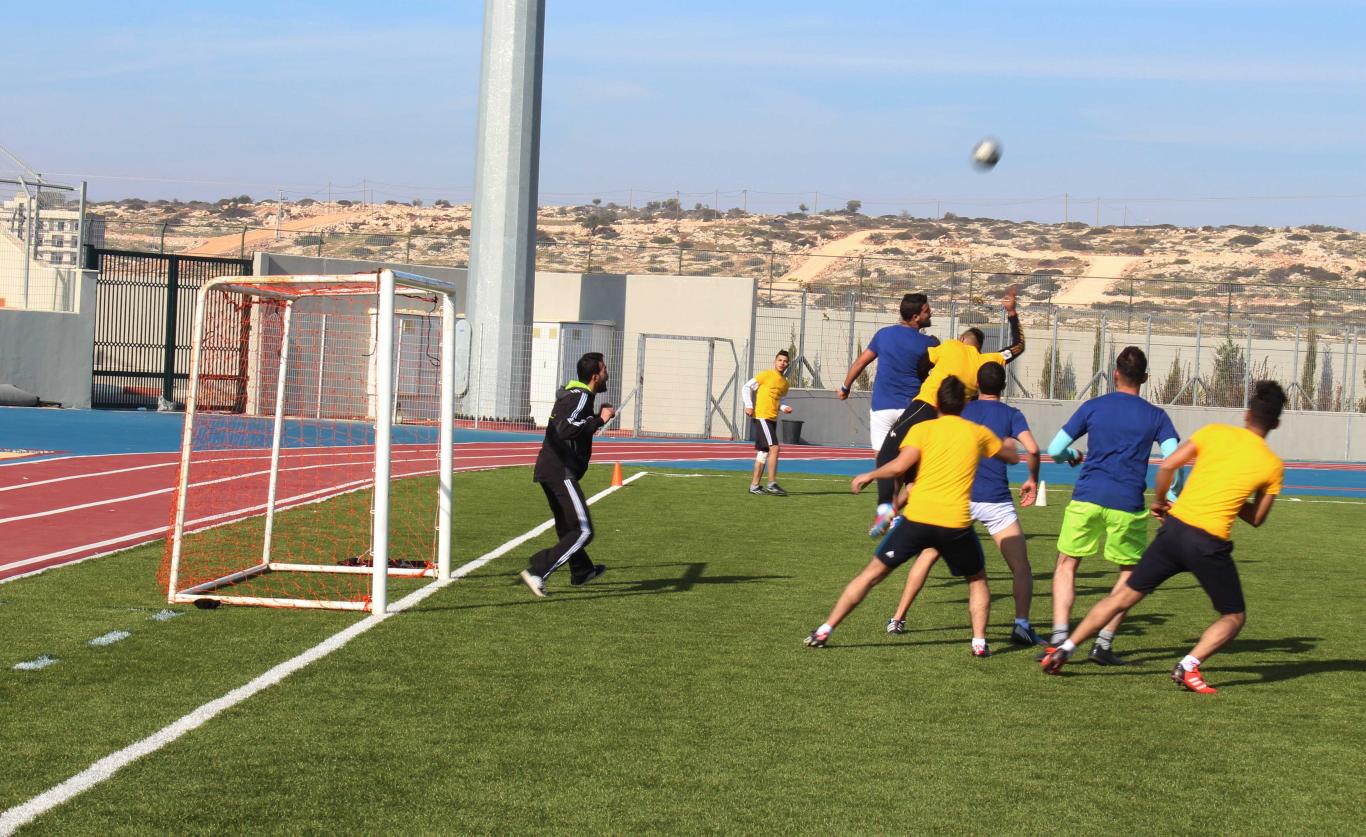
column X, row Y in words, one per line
column 860, row 364
column 1017, row 340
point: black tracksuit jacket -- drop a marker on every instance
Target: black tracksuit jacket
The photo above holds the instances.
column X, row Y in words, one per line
column 568, row 441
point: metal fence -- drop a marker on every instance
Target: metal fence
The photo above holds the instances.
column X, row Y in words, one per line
column 40, row 241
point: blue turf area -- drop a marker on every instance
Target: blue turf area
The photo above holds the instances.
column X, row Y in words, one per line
column 98, row 432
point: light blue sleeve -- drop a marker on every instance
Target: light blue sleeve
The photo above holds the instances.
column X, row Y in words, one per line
column 1059, row 450
column 1169, row 447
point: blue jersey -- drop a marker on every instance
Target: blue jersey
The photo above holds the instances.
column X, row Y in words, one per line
column 990, row 485
column 1123, row 429
column 899, row 349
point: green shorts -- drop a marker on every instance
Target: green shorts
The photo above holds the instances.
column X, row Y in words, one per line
column 1126, row 533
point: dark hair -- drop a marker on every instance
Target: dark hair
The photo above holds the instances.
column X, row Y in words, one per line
column 951, row 397
column 589, row 365
column 1266, row 403
column 1132, row 365
column 783, row 353
column 911, row 305
column 979, row 334
column 991, row 378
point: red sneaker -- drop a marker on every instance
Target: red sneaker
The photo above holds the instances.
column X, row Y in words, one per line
column 1053, row 660
column 1192, row 680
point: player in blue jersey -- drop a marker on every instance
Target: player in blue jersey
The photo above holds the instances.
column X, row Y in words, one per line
column 899, row 350
column 991, row 504
column 1121, row 428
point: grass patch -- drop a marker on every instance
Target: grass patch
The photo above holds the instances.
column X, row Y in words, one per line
column 674, row 695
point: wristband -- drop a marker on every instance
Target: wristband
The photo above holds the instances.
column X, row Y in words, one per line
column 844, row 389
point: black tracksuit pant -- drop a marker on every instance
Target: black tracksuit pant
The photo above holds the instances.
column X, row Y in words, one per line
column 574, row 526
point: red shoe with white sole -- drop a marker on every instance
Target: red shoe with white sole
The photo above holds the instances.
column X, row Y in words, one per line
column 1192, row 681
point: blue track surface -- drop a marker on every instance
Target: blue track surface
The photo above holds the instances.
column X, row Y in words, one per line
column 98, row 432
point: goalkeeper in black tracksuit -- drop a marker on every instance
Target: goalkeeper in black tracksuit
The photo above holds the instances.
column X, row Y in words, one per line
column 561, row 464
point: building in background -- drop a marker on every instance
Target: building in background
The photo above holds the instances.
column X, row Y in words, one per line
column 56, row 228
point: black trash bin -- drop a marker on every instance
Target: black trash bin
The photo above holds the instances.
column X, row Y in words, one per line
column 790, row 432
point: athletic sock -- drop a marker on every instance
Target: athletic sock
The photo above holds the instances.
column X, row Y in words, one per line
column 1189, row 663
column 1060, row 633
column 1067, row 647
column 978, row 643
column 825, row 630
column 1023, row 623
column 1104, row 639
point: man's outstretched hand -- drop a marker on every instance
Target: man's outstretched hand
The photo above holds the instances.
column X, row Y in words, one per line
column 607, row 413
column 1008, row 301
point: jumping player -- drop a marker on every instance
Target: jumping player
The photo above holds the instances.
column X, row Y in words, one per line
column 1231, row 464
column 564, row 456
column 899, row 351
column 947, row 449
column 1108, row 498
column 763, row 400
column 991, row 505
column 959, row 359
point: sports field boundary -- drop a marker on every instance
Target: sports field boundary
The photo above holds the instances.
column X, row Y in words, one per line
column 104, row 769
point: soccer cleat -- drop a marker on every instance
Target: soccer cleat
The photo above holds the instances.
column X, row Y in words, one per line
column 816, row 640
column 1105, row 657
column 1053, row 660
column 757, row 489
column 1192, row 681
column 883, row 521
column 1025, row 636
column 776, row 490
column 896, row 626
column 981, row 653
column 534, row 582
column 598, row 569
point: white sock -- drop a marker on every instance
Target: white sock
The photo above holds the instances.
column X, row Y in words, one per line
column 1104, row 639
column 1059, row 633
column 1068, row 646
column 978, row 643
column 1189, row 663
column 825, row 630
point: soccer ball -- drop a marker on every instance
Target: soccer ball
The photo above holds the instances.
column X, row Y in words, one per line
column 986, row 154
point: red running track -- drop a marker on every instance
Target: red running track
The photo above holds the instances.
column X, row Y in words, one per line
column 59, row 511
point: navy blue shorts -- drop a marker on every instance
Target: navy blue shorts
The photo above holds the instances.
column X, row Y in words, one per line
column 960, row 549
column 1181, row 548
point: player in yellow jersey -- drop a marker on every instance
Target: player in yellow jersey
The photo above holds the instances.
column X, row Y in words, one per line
column 763, row 401
column 1231, row 464
column 947, row 450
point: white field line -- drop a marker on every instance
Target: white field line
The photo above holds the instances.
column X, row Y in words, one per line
column 105, row 768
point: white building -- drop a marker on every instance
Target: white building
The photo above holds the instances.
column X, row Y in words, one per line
column 57, row 230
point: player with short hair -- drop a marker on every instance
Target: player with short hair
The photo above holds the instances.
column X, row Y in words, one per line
column 959, row 359
column 1231, row 464
column 562, row 462
column 899, row 350
column 991, row 504
column 1108, row 498
column 947, row 449
column 763, row 396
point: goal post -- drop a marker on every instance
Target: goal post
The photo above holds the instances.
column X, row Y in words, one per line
column 317, row 451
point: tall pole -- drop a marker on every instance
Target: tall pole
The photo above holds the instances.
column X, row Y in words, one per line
column 279, row 210
column 503, row 236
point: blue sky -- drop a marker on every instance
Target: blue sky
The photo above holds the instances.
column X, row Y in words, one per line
column 1219, row 112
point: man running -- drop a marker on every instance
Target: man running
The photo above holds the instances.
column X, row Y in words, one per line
column 947, row 449
column 563, row 459
column 1108, row 498
column 1231, row 464
column 992, row 505
column 763, row 401
column 899, row 350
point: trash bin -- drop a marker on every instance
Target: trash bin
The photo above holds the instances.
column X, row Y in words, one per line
column 790, row 432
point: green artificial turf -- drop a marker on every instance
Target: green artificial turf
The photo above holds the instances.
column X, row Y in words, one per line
column 674, row 694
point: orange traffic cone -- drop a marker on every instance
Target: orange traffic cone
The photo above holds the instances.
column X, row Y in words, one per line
column 616, row 475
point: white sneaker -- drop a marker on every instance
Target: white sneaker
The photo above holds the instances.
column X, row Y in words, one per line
column 535, row 582
column 885, row 515
column 896, row 626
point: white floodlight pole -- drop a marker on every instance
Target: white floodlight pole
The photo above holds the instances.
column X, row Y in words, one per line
column 445, row 498
column 276, row 434
column 384, row 397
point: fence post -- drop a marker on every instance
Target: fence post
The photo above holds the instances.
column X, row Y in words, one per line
column 242, row 246
column 408, row 249
column 1199, row 340
column 168, row 352
column 770, row 271
column 851, row 328
column 706, row 402
column 680, row 258
column 161, row 248
column 1247, row 367
column 801, row 337
column 1148, row 345
column 589, row 268
column 321, row 235
column 1057, row 356
column 1295, row 370
column 1346, row 340
column 1356, row 360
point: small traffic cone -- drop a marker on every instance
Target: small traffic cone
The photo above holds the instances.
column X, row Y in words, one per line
column 616, row 475
column 1042, row 499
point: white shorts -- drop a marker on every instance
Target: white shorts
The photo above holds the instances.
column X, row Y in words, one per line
column 994, row 516
column 879, row 425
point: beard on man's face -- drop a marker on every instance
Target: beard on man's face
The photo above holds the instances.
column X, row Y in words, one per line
column 601, row 385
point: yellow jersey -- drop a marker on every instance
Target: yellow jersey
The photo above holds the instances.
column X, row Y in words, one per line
column 772, row 387
column 1231, row 464
column 958, row 359
column 950, row 448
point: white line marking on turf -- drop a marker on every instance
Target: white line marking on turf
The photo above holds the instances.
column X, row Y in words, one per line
column 109, row 638
column 34, row 665
column 105, row 768
column 164, row 615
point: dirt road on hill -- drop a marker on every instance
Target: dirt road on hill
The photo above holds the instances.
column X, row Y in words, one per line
column 826, row 256
column 231, row 245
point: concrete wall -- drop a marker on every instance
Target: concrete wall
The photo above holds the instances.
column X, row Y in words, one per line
column 1302, row 435
column 48, row 353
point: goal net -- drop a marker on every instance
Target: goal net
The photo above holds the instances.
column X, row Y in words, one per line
column 317, row 451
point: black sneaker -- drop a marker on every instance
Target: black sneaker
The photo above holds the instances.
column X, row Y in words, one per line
column 1025, row 636
column 757, row 489
column 776, row 490
column 896, row 626
column 1105, row 657
column 816, row 640
column 598, row 569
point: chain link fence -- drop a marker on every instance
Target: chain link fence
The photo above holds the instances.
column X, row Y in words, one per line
column 40, row 238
